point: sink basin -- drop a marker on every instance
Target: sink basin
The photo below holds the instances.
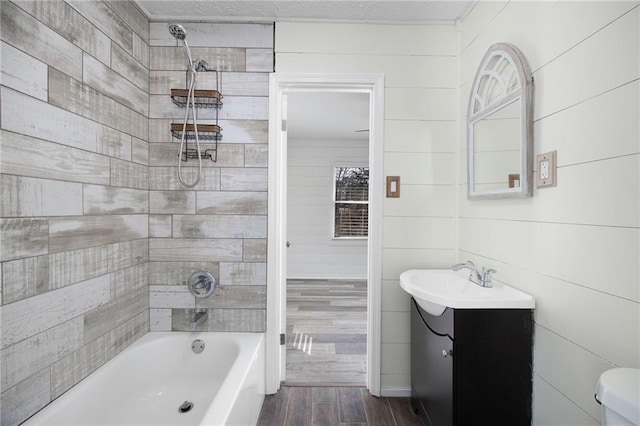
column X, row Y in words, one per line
column 437, row 289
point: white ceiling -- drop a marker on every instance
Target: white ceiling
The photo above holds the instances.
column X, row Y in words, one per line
column 328, row 115
column 369, row 11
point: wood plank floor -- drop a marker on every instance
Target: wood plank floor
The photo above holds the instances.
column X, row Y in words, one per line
column 334, row 406
column 326, row 332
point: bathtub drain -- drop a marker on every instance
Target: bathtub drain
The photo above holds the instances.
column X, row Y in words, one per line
column 185, row 407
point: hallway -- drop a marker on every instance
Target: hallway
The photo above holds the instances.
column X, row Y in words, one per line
column 326, row 332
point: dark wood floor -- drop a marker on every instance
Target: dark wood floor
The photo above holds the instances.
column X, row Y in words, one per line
column 334, row 406
column 326, row 332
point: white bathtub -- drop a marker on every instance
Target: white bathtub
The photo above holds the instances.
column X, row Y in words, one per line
column 147, row 383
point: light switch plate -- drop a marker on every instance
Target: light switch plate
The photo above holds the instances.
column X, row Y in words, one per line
column 393, row 186
column 546, row 166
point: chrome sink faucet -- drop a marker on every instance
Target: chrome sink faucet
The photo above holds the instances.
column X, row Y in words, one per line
column 481, row 278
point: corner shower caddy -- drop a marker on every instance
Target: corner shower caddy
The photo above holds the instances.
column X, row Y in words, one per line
column 206, row 132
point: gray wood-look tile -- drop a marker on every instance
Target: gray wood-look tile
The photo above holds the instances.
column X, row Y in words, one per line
column 255, row 250
column 330, row 317
column 220, row 58
column 244, row 179
column 259, row 60
column 120, row 255
column 31, row 276
column 219, row 226
column 74, row 96
column 130, row 279
column 166, row 178
column 235, row 108
column 233, row 131
column 31, row 316
column 133, row 17
column 79, row 364
column 108, row 21
column 141, row 50
column 231, row 83
column 110, row 315
column 199, row 250
column 256, row 155
column 66, row 21
column 27, row 156
column 172, row 202
column 243, row 273
column 160, row 225
column 24, row 32
column 100, row 199
column 38, row 352
column 139, row 151
column 140, row 251
column 160, row 319
column 128, row 174
column 127, row 66
column 166, row 154
column 231, row 203
column 22, row 72
column 25, row 196
column 236, row 297
column 24, row 399
column 23, row 114
column 23, row 237
column 241, row 320
column 173, row 272
column 112, row 84
column 171, row 296
column 71, row 233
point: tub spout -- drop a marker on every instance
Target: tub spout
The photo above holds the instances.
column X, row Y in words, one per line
column 198, row 319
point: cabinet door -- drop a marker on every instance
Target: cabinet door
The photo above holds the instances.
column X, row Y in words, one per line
column 431, row 371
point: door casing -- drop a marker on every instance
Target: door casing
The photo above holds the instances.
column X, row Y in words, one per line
column 279, row 86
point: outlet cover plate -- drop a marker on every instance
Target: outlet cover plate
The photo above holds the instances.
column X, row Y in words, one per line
column 546, row 166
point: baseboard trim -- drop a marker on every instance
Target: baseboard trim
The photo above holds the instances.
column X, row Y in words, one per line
column 395, row 393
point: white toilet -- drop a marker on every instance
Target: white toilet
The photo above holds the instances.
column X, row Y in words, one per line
column 618, row 391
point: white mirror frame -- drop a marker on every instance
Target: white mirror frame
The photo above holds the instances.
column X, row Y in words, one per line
column 480, row 108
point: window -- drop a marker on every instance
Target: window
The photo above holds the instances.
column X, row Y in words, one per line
column 351, row 202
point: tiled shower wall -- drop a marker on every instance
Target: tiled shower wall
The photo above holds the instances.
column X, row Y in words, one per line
column 74, row 203
column 221, row 224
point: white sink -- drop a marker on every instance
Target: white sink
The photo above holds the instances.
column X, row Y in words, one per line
column 437, row 289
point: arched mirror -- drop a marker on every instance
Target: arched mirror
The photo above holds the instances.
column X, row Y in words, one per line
column 500, row 126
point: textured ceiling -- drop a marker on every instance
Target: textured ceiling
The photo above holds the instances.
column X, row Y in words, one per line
column 328, row 115
column 372, row 11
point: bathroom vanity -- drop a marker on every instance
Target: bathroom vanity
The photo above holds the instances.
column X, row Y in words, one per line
column 472, row 366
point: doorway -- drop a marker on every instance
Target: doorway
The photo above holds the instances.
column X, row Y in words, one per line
column 327, row 228
column 281, row 86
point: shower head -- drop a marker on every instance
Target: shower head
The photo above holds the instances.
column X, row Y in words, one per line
column 177, row 31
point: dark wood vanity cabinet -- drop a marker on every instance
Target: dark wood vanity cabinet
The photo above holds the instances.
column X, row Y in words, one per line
column 472, row 366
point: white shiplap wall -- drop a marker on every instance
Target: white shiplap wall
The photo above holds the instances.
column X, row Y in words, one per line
column 420, row 68
column 313, row 252
column 574, row 247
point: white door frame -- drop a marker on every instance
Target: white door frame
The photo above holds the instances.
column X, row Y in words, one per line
column 279, row 86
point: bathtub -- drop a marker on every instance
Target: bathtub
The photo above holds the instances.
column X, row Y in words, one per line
column 148, row 383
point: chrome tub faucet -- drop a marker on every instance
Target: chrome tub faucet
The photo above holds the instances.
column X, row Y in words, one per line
column 198, row 319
